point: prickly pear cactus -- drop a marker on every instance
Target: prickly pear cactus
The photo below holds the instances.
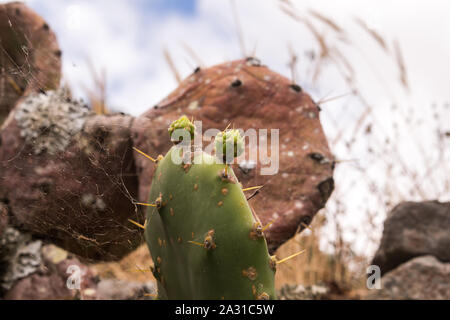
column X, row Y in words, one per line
column 204, row 239
column 229, row 145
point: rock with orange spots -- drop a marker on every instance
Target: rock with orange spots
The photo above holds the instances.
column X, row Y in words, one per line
column 250, row 96
column 30, row 59
column 68, row 175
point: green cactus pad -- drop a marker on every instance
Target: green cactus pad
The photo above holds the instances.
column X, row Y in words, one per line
column 203, row 237
column 229, row 145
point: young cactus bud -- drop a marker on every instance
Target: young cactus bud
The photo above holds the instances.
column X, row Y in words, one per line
column 229, row 145
column 183, row 123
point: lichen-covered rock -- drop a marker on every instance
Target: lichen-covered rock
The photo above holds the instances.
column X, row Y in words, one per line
column 34, row 270
column 249, row 95
column 115, row 289
column 414, row 229
column 422, row 278
column 30, row 59
column 20, row 257
column 301, row 292
column 48, row 122
column 30, row 269
column 76, row 175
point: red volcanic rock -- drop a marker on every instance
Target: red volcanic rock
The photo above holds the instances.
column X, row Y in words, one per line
column 249, row 95
column 3, row 217
column 30, row 59
column 69, row 175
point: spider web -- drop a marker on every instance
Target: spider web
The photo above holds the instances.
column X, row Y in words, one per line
column 20, row 74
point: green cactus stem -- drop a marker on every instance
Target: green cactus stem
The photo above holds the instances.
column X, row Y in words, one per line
column 202, row 234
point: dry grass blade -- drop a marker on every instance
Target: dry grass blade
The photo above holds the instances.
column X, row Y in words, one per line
column 327, row 21
column 336, row 53
column 374, row 34
column 401, row 64
column 193, row 54
column 97, row 96
column 326, row 100
column 293, row 63
column 320, row 39
column 239, row 32
column 14, row 85
column 324, row 49
column 172, row 66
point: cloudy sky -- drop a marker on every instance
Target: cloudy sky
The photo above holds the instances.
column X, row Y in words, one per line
column 127, row 39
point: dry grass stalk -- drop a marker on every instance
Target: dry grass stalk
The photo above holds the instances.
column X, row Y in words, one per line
column 172, row 66
column 383, row 150
column 401, row 64
column 240, row 33
column 98, row 95
column 373, row 33
column 193, row 54
column 328, row 21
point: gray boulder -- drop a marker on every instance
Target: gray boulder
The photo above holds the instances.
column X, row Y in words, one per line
column 412, row 230
column 422, row 278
